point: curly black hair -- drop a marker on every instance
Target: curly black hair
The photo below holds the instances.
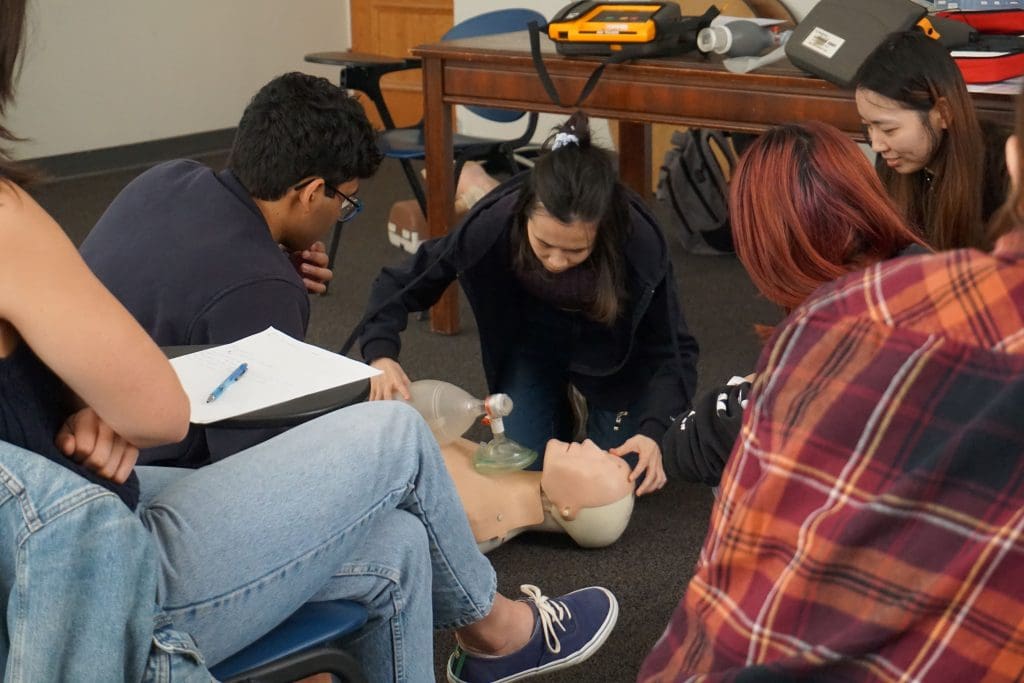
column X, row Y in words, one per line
column 298, row 126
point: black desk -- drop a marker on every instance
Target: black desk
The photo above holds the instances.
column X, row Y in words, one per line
column 288, row 413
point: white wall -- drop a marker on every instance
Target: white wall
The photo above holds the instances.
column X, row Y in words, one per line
column 799, row 8
column 100, row 73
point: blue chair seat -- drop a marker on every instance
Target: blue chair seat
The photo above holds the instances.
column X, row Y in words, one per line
column 312, row 625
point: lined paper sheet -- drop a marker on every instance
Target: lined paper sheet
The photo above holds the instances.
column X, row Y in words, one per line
column 280, row 369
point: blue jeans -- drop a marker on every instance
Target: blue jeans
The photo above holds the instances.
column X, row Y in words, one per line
column 539, row 388
column 78, row 581
column 536, row 376
column 356, row 504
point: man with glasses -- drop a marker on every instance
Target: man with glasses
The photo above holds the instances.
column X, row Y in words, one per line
column 350, row 206
column 206, row 257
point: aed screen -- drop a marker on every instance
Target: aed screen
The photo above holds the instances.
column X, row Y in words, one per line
column 620, row 16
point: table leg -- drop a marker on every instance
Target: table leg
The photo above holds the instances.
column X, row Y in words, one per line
column 635, row 156
column 437, row 138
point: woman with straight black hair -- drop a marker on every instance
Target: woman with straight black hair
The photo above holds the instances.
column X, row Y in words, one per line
column 569, row 278
column 944, row 170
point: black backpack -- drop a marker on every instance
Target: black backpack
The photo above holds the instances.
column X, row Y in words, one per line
column 693, row 180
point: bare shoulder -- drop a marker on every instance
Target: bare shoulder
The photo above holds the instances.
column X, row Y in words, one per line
column 12, row 204
column 14, row 211
column 31, row 243
column 22, row 220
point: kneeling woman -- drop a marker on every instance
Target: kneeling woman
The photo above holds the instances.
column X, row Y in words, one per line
column 570, row 281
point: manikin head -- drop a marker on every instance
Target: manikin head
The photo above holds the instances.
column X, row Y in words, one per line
column 300, row 150
column 583, row 490
column 589, row 492
column 572, row 212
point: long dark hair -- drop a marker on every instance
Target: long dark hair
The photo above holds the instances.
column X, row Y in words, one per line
column 577, row 181
column 12, row 32
column 944, row 202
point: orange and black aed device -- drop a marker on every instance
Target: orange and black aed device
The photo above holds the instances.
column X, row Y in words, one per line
column 605, row 28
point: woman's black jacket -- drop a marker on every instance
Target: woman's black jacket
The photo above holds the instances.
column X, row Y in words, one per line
column 647, row 355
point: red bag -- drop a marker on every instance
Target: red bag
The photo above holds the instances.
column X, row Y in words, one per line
column 1000, row 22
column 995, row 31
column 979, row 70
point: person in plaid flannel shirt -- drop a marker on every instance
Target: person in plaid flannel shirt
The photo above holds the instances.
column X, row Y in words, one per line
column 871, row 518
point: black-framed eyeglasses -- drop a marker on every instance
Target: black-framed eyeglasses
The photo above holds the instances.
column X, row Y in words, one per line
column 350, row 206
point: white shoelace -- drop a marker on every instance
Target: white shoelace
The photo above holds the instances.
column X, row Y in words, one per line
column 550, row 612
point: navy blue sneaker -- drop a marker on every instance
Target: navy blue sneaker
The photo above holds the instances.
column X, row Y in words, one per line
column 568, row 630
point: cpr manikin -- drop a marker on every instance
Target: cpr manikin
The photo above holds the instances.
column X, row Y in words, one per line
column 583, row 490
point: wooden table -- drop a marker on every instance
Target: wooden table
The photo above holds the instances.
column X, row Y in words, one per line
column 497, row 71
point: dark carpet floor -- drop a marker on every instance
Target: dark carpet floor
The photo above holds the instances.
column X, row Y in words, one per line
column 649, row 567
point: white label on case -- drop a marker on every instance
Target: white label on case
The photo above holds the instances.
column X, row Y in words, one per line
column 823, row 42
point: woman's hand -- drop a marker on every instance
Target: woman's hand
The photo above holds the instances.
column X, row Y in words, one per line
column 393, row 380
column 649, row 461
column 88, row 440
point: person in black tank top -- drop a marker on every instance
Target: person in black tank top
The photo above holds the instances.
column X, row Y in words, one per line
column 82, row 386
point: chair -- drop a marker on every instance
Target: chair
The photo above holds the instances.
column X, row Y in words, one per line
column 300, row 647
column 363, row 73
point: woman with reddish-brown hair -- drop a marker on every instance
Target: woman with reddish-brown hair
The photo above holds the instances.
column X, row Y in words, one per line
column 806, row 207
column 823, row 214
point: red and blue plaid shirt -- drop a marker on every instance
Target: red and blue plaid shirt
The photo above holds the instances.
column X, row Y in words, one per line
column 871, row 518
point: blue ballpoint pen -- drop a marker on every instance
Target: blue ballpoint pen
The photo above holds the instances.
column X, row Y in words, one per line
column 232, row 378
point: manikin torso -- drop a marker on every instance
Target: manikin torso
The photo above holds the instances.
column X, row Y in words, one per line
column 583, row 491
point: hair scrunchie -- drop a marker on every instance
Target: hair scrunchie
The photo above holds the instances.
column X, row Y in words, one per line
column 563, row 139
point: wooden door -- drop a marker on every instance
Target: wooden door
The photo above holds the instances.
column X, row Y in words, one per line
column 392, row 28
